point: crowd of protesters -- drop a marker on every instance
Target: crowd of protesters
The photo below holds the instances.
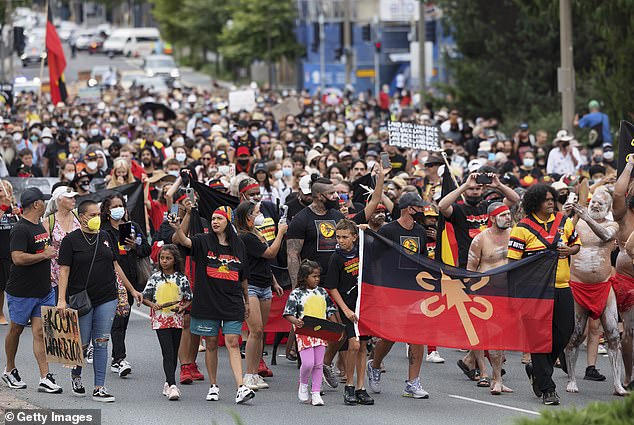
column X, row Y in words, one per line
column 305, row 184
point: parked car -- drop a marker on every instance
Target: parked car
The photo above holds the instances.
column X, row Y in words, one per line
column 82, row 38
column 96, row 44
column 34, row 52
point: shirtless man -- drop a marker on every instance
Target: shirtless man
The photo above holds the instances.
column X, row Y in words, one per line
column 488, row 251
column 590, row 272
column 623, row 280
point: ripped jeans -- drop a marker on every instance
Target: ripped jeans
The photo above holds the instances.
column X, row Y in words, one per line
column 95, row 326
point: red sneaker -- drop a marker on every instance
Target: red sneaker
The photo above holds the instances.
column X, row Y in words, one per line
column 263, row 370
column 186, row 375
column 196, row 375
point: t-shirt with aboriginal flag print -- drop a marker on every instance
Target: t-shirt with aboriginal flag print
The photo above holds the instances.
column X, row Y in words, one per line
column 166, row 290
column 219, row 275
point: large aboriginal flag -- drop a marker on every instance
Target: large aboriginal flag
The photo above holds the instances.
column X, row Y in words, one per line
column 446, row 243
column 409, row 298
column 56, row 62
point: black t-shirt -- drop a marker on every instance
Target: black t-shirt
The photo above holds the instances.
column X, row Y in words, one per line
column 343, row 274
column 55, row 153
column 33, row 281
column 7, row 222
column 318, row 234
column 128, row 259
column 399, row 162
column 414, row 240
column 294, row 206
column 77, row 253
column 219, row 276
column 468, row 221
column 260, row 274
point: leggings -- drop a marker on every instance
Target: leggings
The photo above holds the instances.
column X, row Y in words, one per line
column 312, row 363
column 169, row 339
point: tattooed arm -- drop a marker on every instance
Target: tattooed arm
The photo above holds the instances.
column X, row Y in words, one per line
column 293, row 250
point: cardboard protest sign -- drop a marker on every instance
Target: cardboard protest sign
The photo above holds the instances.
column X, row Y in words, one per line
column 290, row 106
column 414, row 136
column 626, row 144
column 241, row 100
column 62, row 340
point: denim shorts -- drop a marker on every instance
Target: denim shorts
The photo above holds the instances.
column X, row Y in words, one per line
column 260, row 293
column 22, row 309
column 210, row 327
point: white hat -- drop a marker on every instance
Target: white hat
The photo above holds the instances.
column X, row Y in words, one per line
column 474, row 165
column 312, row 155
column 304, row 184
column 65, row 191
column 46, row 133
column 563, row 136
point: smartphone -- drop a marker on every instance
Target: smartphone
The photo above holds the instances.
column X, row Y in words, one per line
column 232, row 171
column 174, row 210
column 190, row 194
column 385, row 160
column 125, row 231
column 284, row 209
column 572, row 198
column 483, row 179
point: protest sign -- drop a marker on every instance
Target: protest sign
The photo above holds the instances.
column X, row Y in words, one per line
column 290, row 106
column 241, row 100
column 62, row 341
column 414, row 136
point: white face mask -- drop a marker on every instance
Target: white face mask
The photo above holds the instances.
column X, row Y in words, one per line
column 17, row 136
column 180, row 157
column 223, row 169
column 329, row 163
column 94, row 132
column 180, row 140
column 608, row 156
column 123, row 140
column 278, row 175
column 173, row 173
column 528, row 162
column 339, row 140
column 278, row 154
column 259, row 220
column 240, row 133
column 92, row 165
column 47, row 141
column 287, row 171
column 83, row 145
column 69, row 176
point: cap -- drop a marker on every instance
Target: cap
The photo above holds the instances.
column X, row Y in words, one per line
column 242, row 124
column 159, row 175
column 372, row 153
column 524, row 126
column 312, row 155
column 434, row 159
column 410, row 199
column 243, row 150
column 344, row 154
column 31, row 195
column 558, row 185
column 473, row 166
column 91, row 155
column 222, row 157
column 46, row 133
column 304, row 184
column 430, row 210
column 65, row 191
column 260, row 167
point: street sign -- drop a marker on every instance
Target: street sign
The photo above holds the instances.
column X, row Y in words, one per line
column 365, row 73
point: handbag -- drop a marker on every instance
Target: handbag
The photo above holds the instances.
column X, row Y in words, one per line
column 80, row 301
column 143, row 271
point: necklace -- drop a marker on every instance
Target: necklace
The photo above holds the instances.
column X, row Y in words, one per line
column 87, row 239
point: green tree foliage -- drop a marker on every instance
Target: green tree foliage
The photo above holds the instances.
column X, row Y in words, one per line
column 260, row 30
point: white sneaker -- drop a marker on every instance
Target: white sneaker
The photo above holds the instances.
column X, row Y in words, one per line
column 48, row 385
column 166, row 389
column 124, row 369
column 434, row 357
column 260, row 382
column 602, row 349
column 244, row 394
column 213, row 394
column 13, row 380
column 249, row 382
column 316, row 399
column 173, row 393
column 302, row 393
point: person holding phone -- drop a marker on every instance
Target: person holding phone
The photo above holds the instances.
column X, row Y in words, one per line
column 131, row 244
column 88, row 261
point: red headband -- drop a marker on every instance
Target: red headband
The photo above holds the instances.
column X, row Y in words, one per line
column 222, row 213
column 498, row 210
column 249, row 187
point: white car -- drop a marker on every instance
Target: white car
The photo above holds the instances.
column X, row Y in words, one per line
column 82, row 38
column 161, row 66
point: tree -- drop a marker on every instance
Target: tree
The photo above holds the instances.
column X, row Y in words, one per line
column 260, row 30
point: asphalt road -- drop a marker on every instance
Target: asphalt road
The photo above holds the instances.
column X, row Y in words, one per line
column 453, row 400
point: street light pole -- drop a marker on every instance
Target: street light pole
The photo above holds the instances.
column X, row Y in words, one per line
column 566, row 74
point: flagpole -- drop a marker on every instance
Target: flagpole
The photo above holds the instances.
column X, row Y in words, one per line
column 39, row 101
column 444, row 156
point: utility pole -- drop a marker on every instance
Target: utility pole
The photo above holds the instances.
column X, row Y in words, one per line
column 322, row 54
column 347, row 38
column 566, row 73
column 422, row 81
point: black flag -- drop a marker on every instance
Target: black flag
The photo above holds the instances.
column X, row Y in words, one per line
column 209, row 199
column 133, row 195
column 626, row 143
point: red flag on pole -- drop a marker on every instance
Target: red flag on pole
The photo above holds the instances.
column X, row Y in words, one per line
column 56, row 61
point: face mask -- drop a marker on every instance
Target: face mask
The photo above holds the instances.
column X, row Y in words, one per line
column 94, row 223
column 240, row 133
column 563, row 198
column 77, row 123
column 255, row 134
column 329, row 163
column 47, row 141
column 608, row 156
column 69, row 176
column 259, row 220
column 449, row 152
column 180, row 140
column 34, row 138
column 339, row 140
column 180, row 157
column 418, row 216
column 85, row 186
column 287, row 171
column 528, row 162
column 17, row 137
column 278, row 175
column 94, row 132
column 331, row 204
column 92, row 165
column 278, row 155
column 243, row 162
column 174, row 173
column 598, row 158
column 83, row 145
column 117, row 213
column 123, row 140
column 223, row 169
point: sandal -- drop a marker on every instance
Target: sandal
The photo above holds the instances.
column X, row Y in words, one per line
column 291, row 355
column 472, row 374
column 484, row 382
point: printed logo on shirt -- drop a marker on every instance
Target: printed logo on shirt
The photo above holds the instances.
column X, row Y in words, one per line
column 122, row 250
column 267, row 229
column 223, row 266
column 326, row 240
column 431, row 250
column 41, row 238
column 352, row 266
column 477, row 224
column 411, row 244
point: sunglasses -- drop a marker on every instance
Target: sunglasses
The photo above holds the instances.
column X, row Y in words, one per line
column 206, row 159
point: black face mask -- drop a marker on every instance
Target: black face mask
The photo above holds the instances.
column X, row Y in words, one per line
column 472, row 201
column 243, row 161
column 563, row 198
column 449, row 152
column 418, row 216
column 331, row 204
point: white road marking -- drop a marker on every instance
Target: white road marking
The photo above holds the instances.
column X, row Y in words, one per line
column 488, row 403
column 139, row 313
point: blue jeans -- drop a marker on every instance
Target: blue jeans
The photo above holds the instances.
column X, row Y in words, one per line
column 95, row 326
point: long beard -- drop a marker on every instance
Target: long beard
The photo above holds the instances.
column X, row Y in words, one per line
column 597, row 215
column 8, row 155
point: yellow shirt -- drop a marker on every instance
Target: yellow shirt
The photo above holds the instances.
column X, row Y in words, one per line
column 528, row 238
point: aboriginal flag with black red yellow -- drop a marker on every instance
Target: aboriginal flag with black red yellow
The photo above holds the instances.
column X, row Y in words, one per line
column 410, row 298
column 446, row 242
column 56, row 62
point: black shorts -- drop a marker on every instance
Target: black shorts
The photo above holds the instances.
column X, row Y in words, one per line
column 350, row 329
column 5, row 266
